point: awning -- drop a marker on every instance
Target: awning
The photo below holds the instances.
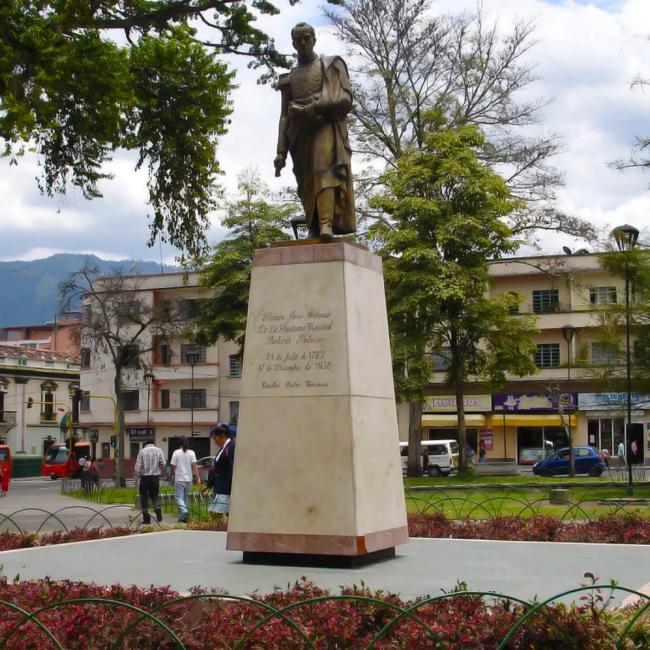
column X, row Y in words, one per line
column 524, row 420
column 451, row 420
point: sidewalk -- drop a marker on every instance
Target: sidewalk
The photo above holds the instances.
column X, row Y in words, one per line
column 183, row 559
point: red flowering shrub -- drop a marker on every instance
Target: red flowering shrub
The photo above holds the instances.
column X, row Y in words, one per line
column 611, row 529
column 351, row 620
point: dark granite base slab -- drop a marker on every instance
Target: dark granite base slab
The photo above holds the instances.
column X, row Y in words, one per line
column 312, row 560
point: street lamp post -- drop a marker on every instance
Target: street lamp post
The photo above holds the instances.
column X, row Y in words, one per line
column 148, row 380
column 626, row 237
column 192, row 358
column 568, row 331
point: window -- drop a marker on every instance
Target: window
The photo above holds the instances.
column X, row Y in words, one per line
column 547, row 355
column 190, row 348
column 602, row 295
column 514, row 300
column 131, row 400
column 604, row 353
column 193, row 398
column 546, row 300
column 85, row 357
column 441, row 359
column 48, row 414
column 641, row 351
column 130, row 356
column 127, row 311
column 188, row 308
column 234, row 412
column 164, row 398
column 164, row 354
column 84, row 403
column 234, row 365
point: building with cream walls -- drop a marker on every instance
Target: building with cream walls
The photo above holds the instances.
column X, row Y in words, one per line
column 162, row 406
column 521, row 419
column 35, row 396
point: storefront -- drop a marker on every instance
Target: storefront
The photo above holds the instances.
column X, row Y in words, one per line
column 606, row 415
column 440, row 419
column 538, row 422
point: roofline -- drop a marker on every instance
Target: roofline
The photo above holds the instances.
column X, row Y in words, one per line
column 506, row 260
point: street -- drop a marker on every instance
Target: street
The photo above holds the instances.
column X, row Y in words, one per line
column 31, row 501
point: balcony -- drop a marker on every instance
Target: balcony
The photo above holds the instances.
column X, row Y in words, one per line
column 7, row 420
column 175, row 416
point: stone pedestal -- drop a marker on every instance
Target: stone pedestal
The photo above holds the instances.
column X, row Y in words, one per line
column 317, row 470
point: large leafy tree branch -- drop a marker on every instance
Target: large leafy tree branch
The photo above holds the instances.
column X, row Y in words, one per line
column 82, row 78
column 410, row 61
column 449, row 209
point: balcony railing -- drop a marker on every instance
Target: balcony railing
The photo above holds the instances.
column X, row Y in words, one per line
column 7, row 418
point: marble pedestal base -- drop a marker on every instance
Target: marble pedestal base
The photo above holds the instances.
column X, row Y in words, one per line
column 317, row 469
column 322, row 561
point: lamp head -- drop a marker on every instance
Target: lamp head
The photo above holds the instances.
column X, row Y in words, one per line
column 625, row 237
column 148, row 378
column 568, row 332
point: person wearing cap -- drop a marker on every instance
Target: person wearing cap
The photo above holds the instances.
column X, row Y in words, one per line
column 221, row 477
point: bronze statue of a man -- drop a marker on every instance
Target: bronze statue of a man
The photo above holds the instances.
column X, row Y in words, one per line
column 316, row 98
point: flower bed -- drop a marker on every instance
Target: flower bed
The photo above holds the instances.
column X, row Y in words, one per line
column 349, row 620
column 611, row 529
column 628, row 529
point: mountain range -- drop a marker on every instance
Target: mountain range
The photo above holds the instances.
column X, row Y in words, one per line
column 29, row 291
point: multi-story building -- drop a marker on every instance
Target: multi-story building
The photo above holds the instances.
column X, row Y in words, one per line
column 61, row 335
column 36, row 396
column 528, row 414
column 174, row 388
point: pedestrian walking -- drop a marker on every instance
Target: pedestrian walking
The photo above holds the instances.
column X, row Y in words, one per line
column 149, row 465
column 621, row 454
column 183, row 471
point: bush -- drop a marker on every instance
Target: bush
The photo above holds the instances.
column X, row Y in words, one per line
column 349, row 621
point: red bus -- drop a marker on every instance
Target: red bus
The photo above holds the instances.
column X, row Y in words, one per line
column 61, row 462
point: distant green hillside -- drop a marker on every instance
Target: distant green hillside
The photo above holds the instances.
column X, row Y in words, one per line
column 29, row 291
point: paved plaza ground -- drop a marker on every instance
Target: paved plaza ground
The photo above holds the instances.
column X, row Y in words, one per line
column 183, row 559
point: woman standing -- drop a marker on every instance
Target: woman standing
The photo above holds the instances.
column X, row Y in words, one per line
column 4, row 481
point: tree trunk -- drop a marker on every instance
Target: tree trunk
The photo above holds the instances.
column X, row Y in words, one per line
column 120, row 477
column 462, row 433
column 414, row 465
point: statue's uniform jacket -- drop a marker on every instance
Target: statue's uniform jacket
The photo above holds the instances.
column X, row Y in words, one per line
column 319, row 147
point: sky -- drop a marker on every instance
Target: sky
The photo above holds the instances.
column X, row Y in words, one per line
column 587, row 53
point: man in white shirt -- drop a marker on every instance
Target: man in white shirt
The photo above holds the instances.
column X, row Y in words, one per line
column 148, row 467
column 184, row 470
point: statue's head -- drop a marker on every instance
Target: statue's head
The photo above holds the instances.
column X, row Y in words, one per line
column 303, row 38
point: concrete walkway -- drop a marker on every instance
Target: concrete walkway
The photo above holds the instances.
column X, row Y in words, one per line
column 183, row 559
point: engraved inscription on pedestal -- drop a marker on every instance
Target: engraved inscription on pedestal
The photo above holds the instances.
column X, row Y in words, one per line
column 294, row 352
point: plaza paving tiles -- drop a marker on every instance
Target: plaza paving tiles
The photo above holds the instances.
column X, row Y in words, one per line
column 183, row 559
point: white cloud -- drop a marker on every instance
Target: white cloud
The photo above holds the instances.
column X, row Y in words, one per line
column 587, row 53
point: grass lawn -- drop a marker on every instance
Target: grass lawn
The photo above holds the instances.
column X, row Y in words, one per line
column 501, row 496
column 518, row 499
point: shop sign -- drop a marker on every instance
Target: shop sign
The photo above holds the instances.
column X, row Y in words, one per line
column 487, row 438
column 605, row 401
column 447, row 403
column 530, row 402
column 138, row 434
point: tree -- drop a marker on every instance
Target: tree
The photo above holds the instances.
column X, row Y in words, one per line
column 636, row 263
column 411, row 61
column 448, row 208
column 254, row 222
column 120, row 324
column 80, row 79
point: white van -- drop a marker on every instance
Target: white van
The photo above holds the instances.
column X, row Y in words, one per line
column 442, row 454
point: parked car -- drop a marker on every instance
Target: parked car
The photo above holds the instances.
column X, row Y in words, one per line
column 204, row 465
column 587, row 461
column 442, row 455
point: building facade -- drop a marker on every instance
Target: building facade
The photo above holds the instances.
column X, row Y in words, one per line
column 61, row 335
column 530, row 415
column 173, row 387
column 37, row 389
